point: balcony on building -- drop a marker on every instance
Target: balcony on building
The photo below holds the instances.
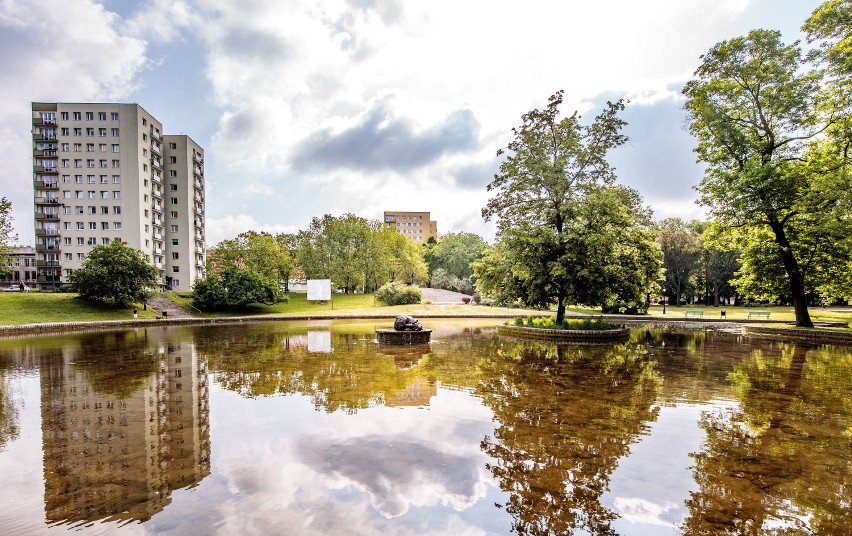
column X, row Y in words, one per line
column 47, row 231
column 156, row 163
column 47, row 264
column 48, row 248
column 46, row 184
column 42, row 169
column 46, row 200
column 155, row 179
column 157, row 195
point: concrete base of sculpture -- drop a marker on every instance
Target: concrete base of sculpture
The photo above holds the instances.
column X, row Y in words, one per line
column 392, row 336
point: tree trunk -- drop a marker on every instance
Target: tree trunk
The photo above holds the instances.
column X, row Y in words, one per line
column 560, row 307
column 794, row 274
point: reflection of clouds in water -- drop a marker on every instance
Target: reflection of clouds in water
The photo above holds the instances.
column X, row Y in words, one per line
column 641, row 511
column 397, row 472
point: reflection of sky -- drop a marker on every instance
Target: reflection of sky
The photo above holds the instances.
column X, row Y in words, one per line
column 653, row 502
column 382, row 470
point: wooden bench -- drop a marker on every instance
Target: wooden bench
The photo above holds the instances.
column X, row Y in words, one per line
column 694, row 312
column 758, row 314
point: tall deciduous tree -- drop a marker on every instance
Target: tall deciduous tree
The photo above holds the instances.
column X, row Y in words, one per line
column 7, row 235
column 115, row 274
column 681, row 255
column 571, row 235
column 754, row 109
column 455, row 252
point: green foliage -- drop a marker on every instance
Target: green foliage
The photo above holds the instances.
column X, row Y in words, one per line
column 626, row 308
column 550, row 322
column 681, row 255
column 567, row 233
column 235, row 288
column 441, row 279
column 774, row 145
column 115, row 274
column 454, row 253
column 6, row 235
column 357, row 254
column 397, row 293
column 263, row 253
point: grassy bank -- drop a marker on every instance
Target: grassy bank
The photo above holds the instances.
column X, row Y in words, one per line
column 18, row 308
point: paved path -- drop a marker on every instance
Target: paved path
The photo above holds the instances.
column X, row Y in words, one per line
column 160, row 303
column 441, row 296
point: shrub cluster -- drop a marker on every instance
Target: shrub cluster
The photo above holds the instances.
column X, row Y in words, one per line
column 549, row 322
column 626, row 308
column 398, row 293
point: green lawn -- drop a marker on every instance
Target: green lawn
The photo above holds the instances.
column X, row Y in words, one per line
column 350, row 305
column 36, row 307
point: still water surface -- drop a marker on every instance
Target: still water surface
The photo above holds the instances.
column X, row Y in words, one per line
column 311, row 428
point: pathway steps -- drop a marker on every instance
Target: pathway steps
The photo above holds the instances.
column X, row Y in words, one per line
column 160, row 304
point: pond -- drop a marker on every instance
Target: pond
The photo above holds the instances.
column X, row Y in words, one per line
column 312, row 428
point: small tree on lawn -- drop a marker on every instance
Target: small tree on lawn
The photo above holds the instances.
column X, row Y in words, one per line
column 235, row 288
column 115, row 274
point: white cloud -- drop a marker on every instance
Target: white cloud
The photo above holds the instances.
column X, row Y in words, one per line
column 229, row 226
column 160, row 21
column 47, row 58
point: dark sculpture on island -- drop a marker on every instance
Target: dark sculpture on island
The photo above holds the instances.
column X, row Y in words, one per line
column 407, row 323
column 406, row 330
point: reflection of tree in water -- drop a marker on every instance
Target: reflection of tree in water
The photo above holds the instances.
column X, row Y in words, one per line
column 565, row 416
column 116, row 363
column 270, row 360
column 781, row 461
column 9, row 427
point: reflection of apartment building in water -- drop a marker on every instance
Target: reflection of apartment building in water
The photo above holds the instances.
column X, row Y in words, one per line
column 416, row 226
column 117, row 443
column 416, row 393
column 106, row 171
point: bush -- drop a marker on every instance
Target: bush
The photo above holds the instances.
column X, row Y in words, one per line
column 398, row 293
column 626, row 308
column 477, row 298
column 235, row 288
column 549, row 322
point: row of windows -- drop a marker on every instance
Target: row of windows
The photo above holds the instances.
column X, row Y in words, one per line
column 90, row 131
column 17, row 261
column 104, row 179
column 93, row 226
column 90, row 163
column 91, row 210
column 90, row 147
column 90, row 116
column 80, row 194
column 409, row 224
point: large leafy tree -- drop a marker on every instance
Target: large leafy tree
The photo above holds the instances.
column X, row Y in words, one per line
column 7, row 235
column 455, row 252
column 115, row 274
column 571, row 235
column 754, row 107
column 261, row 252
column 681, row 255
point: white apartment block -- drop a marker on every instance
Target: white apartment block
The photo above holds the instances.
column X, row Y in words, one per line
column 106, row 171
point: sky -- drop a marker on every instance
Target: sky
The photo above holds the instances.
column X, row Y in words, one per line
column 307, row 108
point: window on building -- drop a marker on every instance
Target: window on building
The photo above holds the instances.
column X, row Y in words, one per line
column 64, row 116
column 78, row 116
column 115, row 132
column 174, row 254
column 146, row 212
column 90, row 162
column 104, row 210
column 81, row 241
column 66, row 210
column 175, row 269
column 104, row 179
column 116, row 194
column 78, row 194
column 90, row 179
column 102, row 147
column 66, row 194
column 78, row 179
column 115, row 147
column 80, row 226
column 172, row 160
column 174, row 228
column 144, row 152
column 173, row 187
column 78, row 210
column 93, row 226
column 116, row 179
column 144, row 121
column 92, row 241
column 67, row 240
column 90, row 116
column 116, row 210
column 93, row 194
column 68, row 257
column 105, row 241
column 103, row 163
column 116, row 225
column 172, row 145
column 104, row 194
column 174, row 241
column 174, row 200
column 65, row 131
column 92, row 210
column 102, row 132
column 173, row 214
column 90, row 131
column 101, row 116
column 172, row 173
column 65, row 147
column 78, row 131
column 104, row 226
column 116, row 163
column 114, row 116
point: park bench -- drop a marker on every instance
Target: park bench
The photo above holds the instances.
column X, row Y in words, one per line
column 694, row 312
column 758, row 314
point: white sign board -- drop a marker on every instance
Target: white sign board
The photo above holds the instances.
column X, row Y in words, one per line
column 319, row 289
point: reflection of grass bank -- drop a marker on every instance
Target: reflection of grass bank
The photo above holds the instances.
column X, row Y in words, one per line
column 783, row 313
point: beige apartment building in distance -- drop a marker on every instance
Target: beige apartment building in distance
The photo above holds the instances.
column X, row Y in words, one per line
column 106, row 171
column 416, row 226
